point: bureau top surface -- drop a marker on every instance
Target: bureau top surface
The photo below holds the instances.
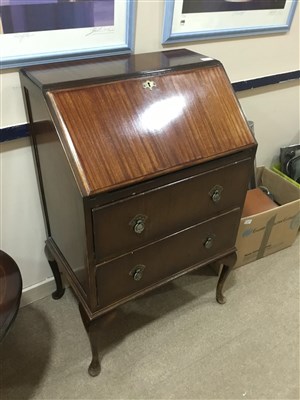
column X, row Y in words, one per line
column 121, row 131
column 67, row 74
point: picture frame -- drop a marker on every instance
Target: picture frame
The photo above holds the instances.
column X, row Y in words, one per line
column 32, row 46
column 189, row 20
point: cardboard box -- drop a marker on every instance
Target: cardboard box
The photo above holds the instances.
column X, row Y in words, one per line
column 267, row 232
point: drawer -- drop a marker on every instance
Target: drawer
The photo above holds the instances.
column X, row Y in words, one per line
column 133, row 222
column 134, row 272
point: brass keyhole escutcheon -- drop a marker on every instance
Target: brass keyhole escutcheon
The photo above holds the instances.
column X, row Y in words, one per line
column 137, row 272
column 149, row 85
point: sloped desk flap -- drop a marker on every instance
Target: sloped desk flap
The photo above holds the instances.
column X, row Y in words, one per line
column 130, row 130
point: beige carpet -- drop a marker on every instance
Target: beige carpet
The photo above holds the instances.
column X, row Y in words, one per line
column 176, row 343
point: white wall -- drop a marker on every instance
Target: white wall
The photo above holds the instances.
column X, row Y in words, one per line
column 22, row 225
column 274, row 109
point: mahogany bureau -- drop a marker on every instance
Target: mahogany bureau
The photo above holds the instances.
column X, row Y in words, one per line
column 143, row 163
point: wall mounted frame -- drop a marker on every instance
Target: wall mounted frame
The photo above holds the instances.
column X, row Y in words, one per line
column 66, row 30
column 188, row 20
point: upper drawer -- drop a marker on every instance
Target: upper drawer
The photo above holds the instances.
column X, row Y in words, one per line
column 160, row 261
column 130, row 223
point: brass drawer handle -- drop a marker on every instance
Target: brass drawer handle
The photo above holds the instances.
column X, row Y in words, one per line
column 138, row 223
column 139, row 226
column 209, row 241
column 215, row 193
column 137, row 272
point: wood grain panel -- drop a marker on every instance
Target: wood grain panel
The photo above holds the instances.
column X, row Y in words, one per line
column 122, row 133
column 167, row 209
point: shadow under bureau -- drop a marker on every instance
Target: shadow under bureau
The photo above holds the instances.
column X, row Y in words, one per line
column 143, row 163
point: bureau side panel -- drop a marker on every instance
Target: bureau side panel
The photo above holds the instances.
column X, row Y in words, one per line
column 62, row 201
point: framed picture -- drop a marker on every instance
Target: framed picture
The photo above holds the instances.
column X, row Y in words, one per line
column 39, row 31
column 187, row 20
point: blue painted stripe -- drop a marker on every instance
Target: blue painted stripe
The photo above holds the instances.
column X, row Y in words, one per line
column 20, row 131
column 265, row 81
column 13, row 132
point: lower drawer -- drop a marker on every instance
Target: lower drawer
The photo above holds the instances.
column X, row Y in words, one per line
column 144, row 267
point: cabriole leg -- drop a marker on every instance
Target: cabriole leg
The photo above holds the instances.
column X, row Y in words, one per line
column 228, row 263
column 90, row 327
column 59, row 292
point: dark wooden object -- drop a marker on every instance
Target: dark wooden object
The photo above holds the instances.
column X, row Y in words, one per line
column 143, row 164
column 59, row 292
column 10, row 292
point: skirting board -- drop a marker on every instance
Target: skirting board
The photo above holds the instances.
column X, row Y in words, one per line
column 37, row 292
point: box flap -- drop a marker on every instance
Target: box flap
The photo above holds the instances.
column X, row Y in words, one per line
column 257, row 202
column 284, row 192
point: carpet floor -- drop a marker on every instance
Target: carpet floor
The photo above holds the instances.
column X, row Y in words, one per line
column 175, row 343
